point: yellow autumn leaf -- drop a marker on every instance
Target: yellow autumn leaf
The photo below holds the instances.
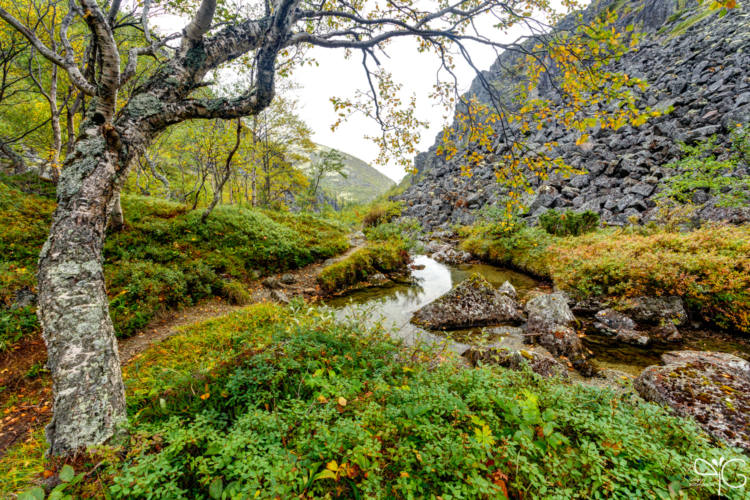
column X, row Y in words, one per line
column 205, row 396
column 342, row 401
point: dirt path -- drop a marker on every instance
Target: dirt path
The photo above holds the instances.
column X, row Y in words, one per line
column 26, row 402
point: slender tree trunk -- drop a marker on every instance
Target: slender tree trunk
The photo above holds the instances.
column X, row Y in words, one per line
column 227, row 173
column 73, row 308
column 255, row 189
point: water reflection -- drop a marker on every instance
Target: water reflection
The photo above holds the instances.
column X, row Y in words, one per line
column 396, row 301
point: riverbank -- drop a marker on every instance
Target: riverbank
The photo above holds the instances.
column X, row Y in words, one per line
column 708, row 267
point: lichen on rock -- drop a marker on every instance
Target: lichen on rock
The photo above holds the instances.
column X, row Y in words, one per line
column 473, row 302
column 516, row 360
column 711, row 387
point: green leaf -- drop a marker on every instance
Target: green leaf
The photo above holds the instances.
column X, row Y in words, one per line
column 629, row 28
column 216, row 488
column 325, row 474
column 67, row 473
column 32, row 494
column 214, row 449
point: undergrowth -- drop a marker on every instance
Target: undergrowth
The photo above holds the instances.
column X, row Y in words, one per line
column 708, row 267
column 165, row 258
column 373, row 259
column 316, row 408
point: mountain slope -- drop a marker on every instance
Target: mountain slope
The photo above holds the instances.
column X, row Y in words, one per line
column 362, row 183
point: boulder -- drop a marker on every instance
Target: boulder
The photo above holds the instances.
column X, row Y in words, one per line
column 589, row 307
column 551, row 308
column 377, row 278
column 549, row 321
column 288, row 279
column 516, row 360
column 509, row 290
column 271, row 282
column 619, row 326
column 666, row 333
column 452, row 257
column 279, row 297
column 473, row 302
column 24, row 297
column 713, row 388
column 655, row 310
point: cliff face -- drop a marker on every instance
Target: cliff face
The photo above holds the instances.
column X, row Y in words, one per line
column 696, row 63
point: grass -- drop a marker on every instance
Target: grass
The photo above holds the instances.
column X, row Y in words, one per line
column 183, row 363
column 709, row 267
column 376, row 258
column 164, row 259
column 23, row 463
column 291, row 403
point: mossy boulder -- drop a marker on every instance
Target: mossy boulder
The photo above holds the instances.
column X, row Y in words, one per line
column 473, row 302
column 545, row 366
column 711, row 387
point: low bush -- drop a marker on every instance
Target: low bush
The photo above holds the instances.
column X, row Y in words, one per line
column 382, row 212
column 406, row 230
column 331, row 410
column 165, row 258
column 708, row 167
column 708, row 267
column 568, row 223
column 377, row 258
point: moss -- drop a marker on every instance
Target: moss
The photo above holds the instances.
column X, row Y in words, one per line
column 195, row 57
column 381, row 258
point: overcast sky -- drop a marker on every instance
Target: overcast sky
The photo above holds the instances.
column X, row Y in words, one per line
column 337, row 77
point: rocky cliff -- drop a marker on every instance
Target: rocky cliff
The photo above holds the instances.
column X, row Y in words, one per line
column 697, row 65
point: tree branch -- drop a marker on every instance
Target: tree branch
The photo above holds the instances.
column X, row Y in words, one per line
column 67, row 64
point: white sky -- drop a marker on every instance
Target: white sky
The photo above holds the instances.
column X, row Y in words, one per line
column 337, row 77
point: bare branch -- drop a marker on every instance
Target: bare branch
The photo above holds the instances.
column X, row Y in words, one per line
column 67, row 64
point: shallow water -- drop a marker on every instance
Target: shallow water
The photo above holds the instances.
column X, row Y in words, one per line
column 394, row 303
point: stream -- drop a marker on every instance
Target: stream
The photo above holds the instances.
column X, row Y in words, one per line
column 394, row 302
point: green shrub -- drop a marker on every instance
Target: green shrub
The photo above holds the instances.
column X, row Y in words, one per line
column 379, row 258
column 329, row 410
column 708, row 267
column 407, row 230
column 165, row 258
column 382, row 212
column 701, row 169
column 236, row 293
column 569, row 223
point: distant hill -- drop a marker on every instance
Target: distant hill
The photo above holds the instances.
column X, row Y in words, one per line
column 363, row 183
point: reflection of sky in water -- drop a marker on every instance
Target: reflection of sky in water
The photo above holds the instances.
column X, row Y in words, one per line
column 398, row 300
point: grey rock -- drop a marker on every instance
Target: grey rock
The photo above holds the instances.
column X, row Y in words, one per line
column 288, row 278
column 711, row 388
column 473, row 302
column 516, row 360
column 655, row 310
column 279, row 296
column 509, row 290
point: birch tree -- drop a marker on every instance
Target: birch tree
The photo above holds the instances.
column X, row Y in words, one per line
column 89, row 401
